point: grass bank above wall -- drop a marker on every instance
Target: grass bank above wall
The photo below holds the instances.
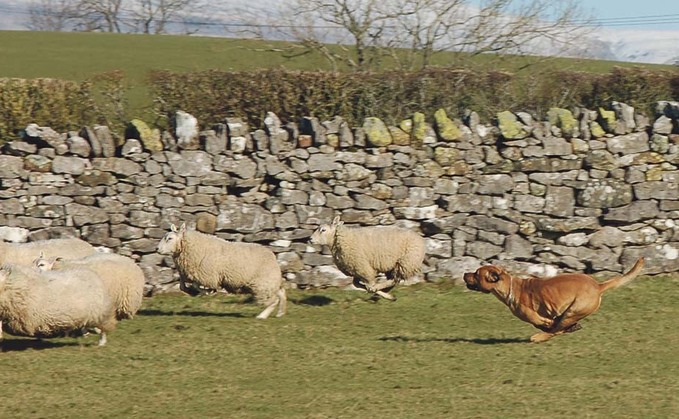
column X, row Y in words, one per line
column 83, row 57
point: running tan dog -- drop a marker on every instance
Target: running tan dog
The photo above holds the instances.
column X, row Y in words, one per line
column 554, row 305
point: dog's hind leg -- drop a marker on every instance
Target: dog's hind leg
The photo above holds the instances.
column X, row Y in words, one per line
column 567, row 322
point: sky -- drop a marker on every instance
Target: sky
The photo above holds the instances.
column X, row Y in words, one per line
column 611, row 14
column 635, row 14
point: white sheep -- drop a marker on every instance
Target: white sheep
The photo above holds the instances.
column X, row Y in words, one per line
column 55, row 303
column 214, row 263
column 26, row 253
column 124, row 280
column 365, row 252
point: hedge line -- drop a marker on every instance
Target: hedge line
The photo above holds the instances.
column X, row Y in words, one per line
column 53, row 102
column 213, row 95
column 61, row 104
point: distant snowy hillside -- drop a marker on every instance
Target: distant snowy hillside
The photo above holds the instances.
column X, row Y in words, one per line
column 641, row 46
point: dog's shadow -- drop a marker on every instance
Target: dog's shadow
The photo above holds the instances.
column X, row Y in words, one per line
column 478, row 341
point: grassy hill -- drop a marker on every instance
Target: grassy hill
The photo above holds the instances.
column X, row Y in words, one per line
column 79, row 56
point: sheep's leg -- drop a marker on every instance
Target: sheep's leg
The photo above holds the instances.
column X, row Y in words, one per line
column 102, row 339
column 183, row 287
column 377, row 289
column 202, row 291
column 359, row 284
column 385, row 295
column 191, row 290
column 268, row 310
column 282, row 302
column 386, row 284
column 1, row 330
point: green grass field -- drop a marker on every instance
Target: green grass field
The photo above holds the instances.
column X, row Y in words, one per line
column 439, row 351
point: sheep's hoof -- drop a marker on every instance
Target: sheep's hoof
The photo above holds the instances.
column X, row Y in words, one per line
column 190, row 291
column 386, row 295
column 102, row 339
column 377, row 295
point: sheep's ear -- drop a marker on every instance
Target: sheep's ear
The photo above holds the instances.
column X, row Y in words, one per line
column 42, row 255
column 182, row 229
column 336, row 221
column 173, row 228
column 5, row 270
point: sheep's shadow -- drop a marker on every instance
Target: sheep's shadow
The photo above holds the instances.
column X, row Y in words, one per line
column 188, row 313
column 478, row 341
column 16, row 345
column 314, row 300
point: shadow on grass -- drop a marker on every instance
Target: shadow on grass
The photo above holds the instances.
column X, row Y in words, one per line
column 153, row 312
column 489, row 341
column 15, row 345
column 314, row 300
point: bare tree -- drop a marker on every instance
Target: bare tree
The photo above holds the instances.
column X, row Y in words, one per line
column 359, row 33
column 538, row 27
column 154, row 16
column 102, row 15
column 51, row 15
column 358, row 26
column 147, row 16
column 426, row 28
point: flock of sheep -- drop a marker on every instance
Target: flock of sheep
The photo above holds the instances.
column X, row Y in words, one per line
column 61, row 287
column 65, row 287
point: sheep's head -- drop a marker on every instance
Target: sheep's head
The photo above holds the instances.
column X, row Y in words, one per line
column 44, row 263
column 325, row 233
column 170, row 243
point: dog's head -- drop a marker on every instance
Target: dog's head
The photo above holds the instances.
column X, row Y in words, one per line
column 485, row 279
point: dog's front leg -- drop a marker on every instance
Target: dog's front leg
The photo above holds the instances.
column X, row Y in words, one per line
column 541, row 337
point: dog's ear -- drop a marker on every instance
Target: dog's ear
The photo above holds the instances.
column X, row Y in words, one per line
column 495, row 274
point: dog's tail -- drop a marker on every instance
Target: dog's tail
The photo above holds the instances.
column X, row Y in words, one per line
column 623, row 279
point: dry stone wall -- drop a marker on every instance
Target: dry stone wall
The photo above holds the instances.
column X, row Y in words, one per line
column 583, row 191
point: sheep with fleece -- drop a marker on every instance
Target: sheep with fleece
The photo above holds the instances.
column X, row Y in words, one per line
column 26, row 253
column 214, row 263
column 55, row 303
column 123, row 279
column 365, row 252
